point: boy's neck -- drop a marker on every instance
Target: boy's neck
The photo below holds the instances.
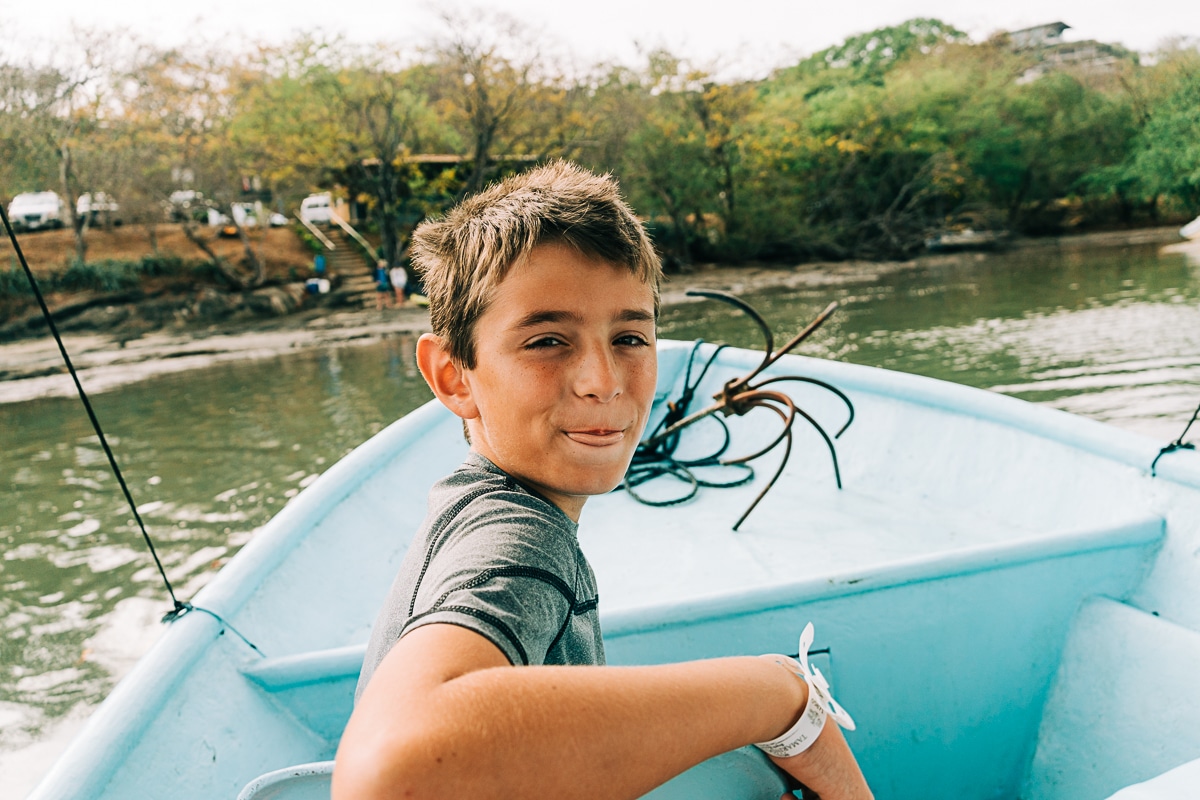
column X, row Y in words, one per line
column 571, row 505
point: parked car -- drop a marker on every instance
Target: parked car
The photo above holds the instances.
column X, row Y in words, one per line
column 186, row 204
column 96, row 207
column 316, row 208
column 32, row 211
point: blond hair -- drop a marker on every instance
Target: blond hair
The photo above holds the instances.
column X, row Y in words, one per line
column 463, row 257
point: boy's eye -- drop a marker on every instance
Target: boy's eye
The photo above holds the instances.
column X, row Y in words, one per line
column 632, row 339
column 545, row 341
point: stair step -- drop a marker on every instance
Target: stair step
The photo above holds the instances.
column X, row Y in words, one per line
column 1122, row 708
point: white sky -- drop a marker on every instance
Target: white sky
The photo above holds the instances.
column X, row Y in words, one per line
column 748, row 36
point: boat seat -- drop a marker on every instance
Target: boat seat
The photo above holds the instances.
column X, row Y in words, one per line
column 1120, row 710
column 301, row 782
column 1176, row 784
column 317, row 686
column 738, row 775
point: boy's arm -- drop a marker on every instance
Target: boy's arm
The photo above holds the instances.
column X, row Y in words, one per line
column 445, row 715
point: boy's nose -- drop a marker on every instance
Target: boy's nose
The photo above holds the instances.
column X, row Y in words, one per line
column 597, row 375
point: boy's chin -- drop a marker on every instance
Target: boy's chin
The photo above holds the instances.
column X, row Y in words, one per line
column 594, row 485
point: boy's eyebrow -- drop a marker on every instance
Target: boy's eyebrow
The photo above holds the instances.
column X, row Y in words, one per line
column 535, row 318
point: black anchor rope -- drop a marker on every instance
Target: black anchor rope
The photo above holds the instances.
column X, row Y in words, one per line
column 1178, row 444
column 179, row 608
column 654, row 456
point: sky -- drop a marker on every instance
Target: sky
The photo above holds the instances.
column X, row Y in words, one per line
column 745, row 36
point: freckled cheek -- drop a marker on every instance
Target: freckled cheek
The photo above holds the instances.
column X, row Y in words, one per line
column 643, row 383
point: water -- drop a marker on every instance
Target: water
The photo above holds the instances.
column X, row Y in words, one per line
column 210, row 455
column 1112, row 334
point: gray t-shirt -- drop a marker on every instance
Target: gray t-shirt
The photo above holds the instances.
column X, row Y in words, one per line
column 496, row 559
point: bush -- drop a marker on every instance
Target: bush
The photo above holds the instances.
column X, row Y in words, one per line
column 13, row 282
column 108, row 275
column 101, row 276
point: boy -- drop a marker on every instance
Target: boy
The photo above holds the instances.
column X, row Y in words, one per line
column 543, row 299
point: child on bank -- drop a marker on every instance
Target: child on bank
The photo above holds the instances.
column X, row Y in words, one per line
column 485, row 675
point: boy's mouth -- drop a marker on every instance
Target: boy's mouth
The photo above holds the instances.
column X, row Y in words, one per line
column 597, row 437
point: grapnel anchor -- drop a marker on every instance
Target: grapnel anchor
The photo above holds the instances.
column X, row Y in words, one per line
column 655, row 456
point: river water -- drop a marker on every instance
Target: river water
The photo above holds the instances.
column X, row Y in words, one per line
column 211, row 455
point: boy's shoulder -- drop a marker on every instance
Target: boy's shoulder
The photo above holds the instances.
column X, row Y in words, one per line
column 481, row 506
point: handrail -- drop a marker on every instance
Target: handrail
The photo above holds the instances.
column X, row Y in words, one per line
column 325, row 241
column 356, row 236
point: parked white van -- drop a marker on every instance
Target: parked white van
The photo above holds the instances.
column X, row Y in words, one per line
column 96, row 206
column 315, row 208
column 33, row 211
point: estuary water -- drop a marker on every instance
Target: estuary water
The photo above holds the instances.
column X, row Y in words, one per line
column 210, row 455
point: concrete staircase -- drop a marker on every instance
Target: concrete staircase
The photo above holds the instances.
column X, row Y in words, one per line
column 348, row 262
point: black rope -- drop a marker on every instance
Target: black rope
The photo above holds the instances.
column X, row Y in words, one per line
column 178, row 608
column 184, row 608
column 655, row 455
column 654, row 459
column 1178, row 444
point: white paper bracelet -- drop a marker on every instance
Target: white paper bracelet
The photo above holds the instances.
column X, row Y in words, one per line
column 804, row 733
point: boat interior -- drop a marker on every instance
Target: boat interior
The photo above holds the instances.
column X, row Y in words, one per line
column 1003, row 597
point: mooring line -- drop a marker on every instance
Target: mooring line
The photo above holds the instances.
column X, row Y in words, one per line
column 1178, row 444
column 178, row 608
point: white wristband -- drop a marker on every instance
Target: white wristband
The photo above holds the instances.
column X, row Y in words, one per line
column 803, row 734
column 820, row 705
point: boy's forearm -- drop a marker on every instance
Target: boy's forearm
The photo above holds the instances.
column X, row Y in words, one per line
column 595, row 732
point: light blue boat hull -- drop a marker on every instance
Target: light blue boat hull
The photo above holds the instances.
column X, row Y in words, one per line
column 1007, row 600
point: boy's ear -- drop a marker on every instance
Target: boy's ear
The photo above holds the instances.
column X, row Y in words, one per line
column 445, row 376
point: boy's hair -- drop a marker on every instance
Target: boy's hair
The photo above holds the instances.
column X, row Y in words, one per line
column 463, row 257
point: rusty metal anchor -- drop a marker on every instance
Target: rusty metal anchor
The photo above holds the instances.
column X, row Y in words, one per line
column 738, row 396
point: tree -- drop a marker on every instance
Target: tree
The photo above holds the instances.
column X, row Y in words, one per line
column 1165, row 153
column 54, row 111
column 385, row 122
column 287, row 125
column 487, row 69
column 182, row 111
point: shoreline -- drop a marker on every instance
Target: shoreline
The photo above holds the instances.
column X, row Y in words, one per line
column 33, row 369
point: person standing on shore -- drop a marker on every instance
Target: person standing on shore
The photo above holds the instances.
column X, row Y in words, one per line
column 399, row 278
column 383, row 289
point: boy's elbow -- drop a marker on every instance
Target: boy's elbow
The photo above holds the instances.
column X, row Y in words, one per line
column 387, row 768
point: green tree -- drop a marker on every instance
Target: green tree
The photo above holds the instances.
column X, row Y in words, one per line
column 1165, row 154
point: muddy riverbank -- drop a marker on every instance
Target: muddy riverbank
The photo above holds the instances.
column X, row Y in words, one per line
column 108, row 353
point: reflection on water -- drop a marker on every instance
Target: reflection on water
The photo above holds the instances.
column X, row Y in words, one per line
column 1111, row 334
column 211, row 455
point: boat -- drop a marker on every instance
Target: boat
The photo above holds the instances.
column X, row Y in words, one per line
column 1191, row 230
column 954, row 241
column 1005, row 596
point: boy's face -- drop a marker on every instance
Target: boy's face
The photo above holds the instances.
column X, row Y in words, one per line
column 564, row 375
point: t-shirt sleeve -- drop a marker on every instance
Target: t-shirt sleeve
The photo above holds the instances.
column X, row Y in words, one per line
column 506, row 572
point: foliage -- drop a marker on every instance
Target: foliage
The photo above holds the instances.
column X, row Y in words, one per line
column 1165, row 157
column 106, row 275
column 863, row 149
